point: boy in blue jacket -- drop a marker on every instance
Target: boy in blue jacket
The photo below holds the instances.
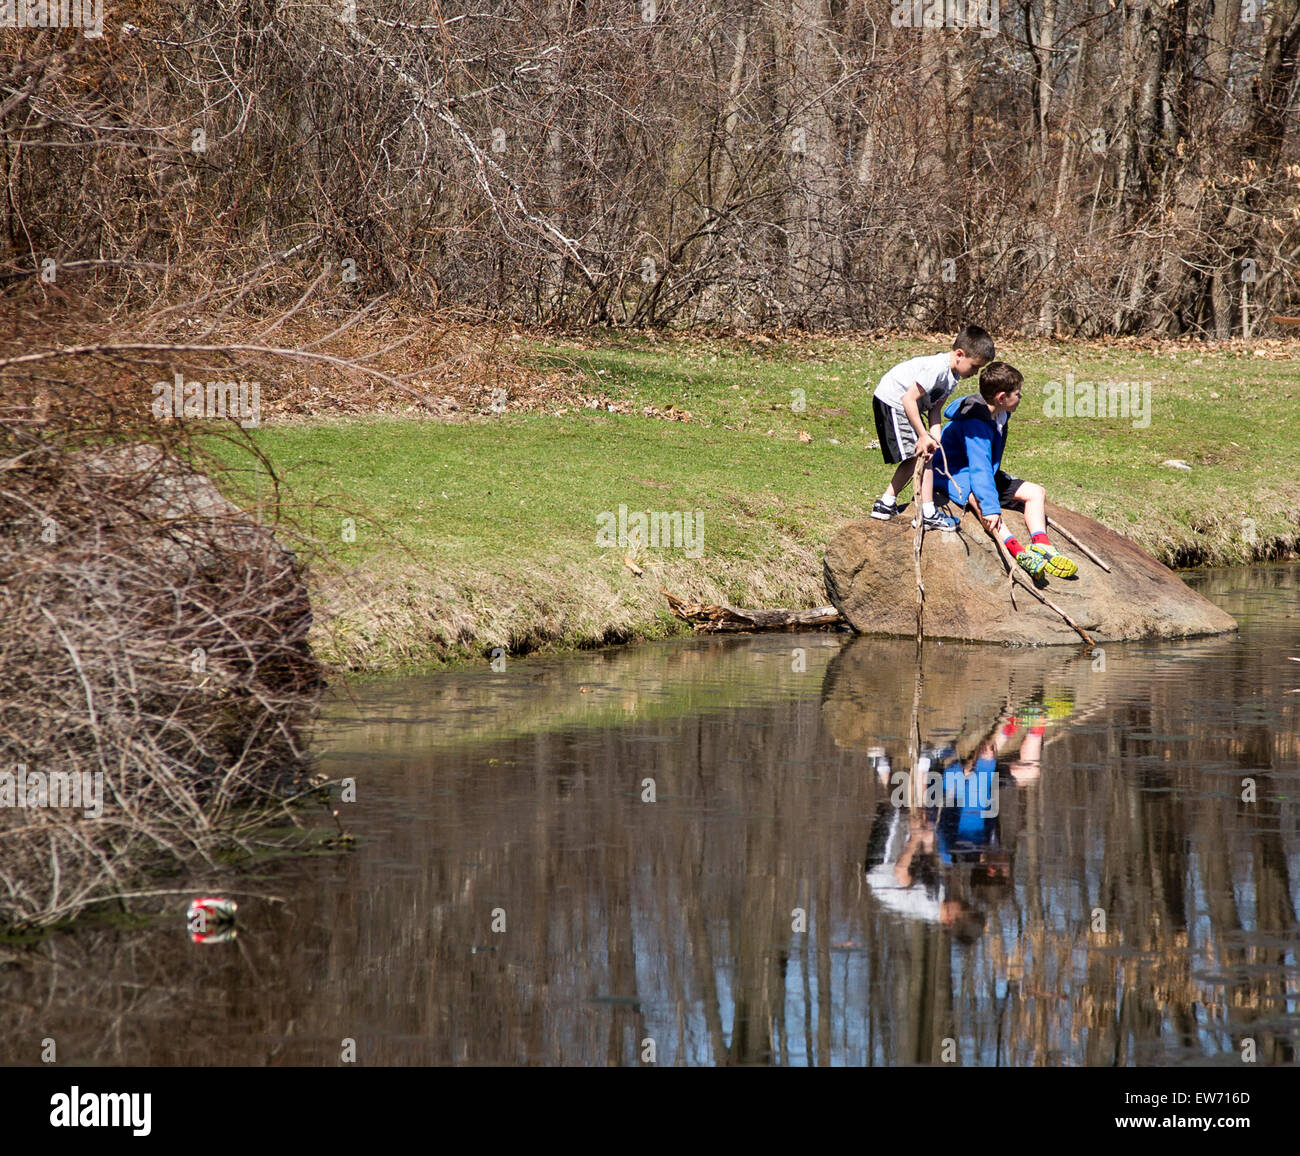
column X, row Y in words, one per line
column 973, row 443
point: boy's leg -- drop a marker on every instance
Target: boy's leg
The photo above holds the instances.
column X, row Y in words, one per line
column 898, row 483
column 934, row 519
column 897, row 447
column 1014, row 490
column 1030, row 764
column 887, row 504
column 926, row 496
column 1034, row 497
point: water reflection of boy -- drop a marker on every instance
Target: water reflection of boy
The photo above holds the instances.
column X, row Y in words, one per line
column 909, row 864
column 967, row 832
column 903, row 867
column 967, row 827
column 1030, row 765
column 904, row 876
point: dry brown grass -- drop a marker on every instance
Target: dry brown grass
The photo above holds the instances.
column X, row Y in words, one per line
column 404, row 615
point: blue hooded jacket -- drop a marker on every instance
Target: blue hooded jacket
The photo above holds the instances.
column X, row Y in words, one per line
column 973, row 446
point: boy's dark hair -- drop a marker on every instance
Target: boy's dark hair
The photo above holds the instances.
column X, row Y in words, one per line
column 999, row 377
column 968, row 926
column 976, row 342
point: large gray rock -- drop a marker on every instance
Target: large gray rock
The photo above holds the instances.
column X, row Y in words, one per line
column 871, row 581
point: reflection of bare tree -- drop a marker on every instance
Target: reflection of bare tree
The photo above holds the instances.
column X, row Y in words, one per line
column 671, row 921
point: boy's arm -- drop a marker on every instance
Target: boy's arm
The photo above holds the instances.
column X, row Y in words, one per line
column 912, row 408
column 979, row 453
column 936, row 420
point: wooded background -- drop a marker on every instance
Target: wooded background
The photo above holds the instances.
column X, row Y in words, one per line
column 1080, row 167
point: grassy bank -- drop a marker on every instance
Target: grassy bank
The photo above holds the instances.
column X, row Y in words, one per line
column 453, row 537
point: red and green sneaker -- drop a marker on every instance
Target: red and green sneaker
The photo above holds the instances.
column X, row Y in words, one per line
column 1056, row 563
column 1035, row 564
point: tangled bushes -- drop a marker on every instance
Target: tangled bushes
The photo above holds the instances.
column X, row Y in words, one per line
column 1084, row 168
column 154, row 673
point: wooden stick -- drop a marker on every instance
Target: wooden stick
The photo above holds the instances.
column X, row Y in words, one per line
column 710, row 618
column 972, row 504
column 1075, row 541
column 917, row 539
column 917, row 800
column 1011, row 565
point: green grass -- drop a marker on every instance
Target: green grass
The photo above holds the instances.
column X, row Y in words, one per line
column 525, row 486
column 483, row 533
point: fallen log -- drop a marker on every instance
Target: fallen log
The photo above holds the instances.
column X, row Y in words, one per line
column 708, row 618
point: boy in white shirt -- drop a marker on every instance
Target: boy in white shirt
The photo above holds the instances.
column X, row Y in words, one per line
column 906, row 393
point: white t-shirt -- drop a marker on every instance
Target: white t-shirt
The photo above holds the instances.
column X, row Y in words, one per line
column 934, row 375
column 915, row 901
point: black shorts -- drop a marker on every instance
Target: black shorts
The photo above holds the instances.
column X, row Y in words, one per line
column 1007, row 487
column 894, row 432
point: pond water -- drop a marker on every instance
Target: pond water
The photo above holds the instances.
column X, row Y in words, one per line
column 781, row 849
